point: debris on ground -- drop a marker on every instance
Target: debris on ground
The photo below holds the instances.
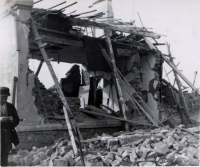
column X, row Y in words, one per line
column 162, row 146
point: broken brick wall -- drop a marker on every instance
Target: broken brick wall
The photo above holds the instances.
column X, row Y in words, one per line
column 48, row 103
column 15, row 53
column 40, row 138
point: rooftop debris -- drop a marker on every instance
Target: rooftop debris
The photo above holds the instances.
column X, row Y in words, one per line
column 162, row 146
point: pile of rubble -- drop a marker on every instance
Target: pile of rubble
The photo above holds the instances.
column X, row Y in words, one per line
column 144, row 147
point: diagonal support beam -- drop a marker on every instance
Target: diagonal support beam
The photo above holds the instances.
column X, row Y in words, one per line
column 179, row 85
column 67, row 112
column 116, row 79
column 178, row 72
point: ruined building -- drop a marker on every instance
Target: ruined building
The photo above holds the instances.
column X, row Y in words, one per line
column 147, row 98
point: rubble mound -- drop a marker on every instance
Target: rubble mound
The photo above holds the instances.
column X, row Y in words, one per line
column 162, row 146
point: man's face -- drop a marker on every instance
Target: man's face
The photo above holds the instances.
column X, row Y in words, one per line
column 3, row 99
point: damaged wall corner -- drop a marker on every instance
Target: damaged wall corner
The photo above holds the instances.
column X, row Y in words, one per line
column 150, row 83
column 26, row 110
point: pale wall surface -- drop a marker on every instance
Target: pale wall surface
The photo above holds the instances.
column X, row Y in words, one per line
column 8, row 56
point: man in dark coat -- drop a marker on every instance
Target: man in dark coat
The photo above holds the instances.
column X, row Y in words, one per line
column 9, row 120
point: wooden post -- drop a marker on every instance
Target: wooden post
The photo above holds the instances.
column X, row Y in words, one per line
column 39, row 68
column 116, row 80
column 66, row 109
column 15, row 79
column 179, row 85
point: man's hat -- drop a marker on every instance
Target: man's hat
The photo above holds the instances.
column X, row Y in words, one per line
column 4, row 91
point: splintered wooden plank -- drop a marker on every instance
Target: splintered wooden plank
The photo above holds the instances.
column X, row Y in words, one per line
column 87, row 23
column 66, row 109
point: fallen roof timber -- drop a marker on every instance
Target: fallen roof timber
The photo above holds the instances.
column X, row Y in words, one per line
column 88, row 23
column 66, row 47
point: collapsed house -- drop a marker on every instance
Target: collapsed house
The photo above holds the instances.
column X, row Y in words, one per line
column 116, row 78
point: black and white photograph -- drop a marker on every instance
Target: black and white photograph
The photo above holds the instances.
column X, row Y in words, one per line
column 99, row 82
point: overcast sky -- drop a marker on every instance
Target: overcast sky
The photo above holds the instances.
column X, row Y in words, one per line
column 179, row 20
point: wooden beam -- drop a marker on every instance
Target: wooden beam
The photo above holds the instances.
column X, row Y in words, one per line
column 14, row 86
column 179, row 86
column 117, row 118
column 116, row 79
column 88, row 23
column 39, row 68
column 65, row 54
column 67, row 112
column 178, row 72
column 132, row 99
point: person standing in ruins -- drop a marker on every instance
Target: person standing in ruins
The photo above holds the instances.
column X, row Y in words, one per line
column 9, row 120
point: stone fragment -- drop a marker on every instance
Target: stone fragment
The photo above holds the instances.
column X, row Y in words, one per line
column 164, row 131
column 157, row 159
column 36, row 161
column 92, row 146
column 133, row 156
column 152, row 154
column 110, row 156
column 147, row 164
column 184, row 150
column 178, row 146
column 125, row 154
column 150, row 159
column 70, row 153
column 118, row 158
column 28, row 161
column 197, row 154
column 161, row 148
column 115, row 162
column 177, row 136
column 69, row 143
column 91, row 157
column 104, row 140
column 129, row 138
column 107, row 161
column 114, row 148
column 22, row 162
column 71, row 160
column 184, row 139
column 170, row 141
column 77, row 159
column 144, row 153
column 62, row 143
column 60, row 162
column 146, row 142
column 64, row 150
column 191, row 152
column 97, row 163
column 185, row 161
column 138, row 152
column 42, row 155
column 120, row 150
column 50, row 151
column 45, row 162
column 170, row 157
column 112, row 142
column 135, row 143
